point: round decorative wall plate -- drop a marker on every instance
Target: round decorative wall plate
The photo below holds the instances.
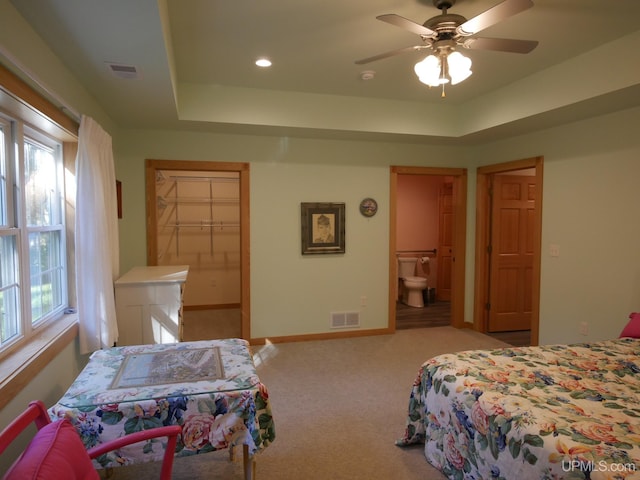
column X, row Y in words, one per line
column 368, row 207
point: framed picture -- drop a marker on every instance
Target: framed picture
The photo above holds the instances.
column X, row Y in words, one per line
column 322, row 228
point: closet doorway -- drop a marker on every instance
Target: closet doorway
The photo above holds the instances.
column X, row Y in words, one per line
column 508, row 250
column 198, row 215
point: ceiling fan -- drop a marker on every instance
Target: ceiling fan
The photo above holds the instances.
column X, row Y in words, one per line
column 447, row 31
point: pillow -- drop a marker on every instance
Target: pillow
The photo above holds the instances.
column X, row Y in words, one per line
column 56, row 451
column 633, row 327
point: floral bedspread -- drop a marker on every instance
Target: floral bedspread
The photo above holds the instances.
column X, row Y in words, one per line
column 549, row 412
column 215, row 413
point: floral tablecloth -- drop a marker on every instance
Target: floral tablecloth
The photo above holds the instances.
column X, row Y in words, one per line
column 226, row 408
column 550, row 412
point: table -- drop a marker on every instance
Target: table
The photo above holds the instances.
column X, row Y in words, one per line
column 210, row 388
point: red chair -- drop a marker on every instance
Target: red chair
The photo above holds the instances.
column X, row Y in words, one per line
column 56, row 450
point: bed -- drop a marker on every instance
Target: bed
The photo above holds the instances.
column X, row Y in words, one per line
column 548, row 412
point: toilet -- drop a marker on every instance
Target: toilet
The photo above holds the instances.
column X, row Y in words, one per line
column 412, row 285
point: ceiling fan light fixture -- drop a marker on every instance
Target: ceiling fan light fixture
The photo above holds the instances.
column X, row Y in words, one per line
column 459, row 67
column 428, row 71
column 444, row 34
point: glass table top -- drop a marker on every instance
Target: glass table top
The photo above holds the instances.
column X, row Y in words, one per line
column 150, row 372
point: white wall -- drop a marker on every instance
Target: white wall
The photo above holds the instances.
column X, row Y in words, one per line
column 591, row 209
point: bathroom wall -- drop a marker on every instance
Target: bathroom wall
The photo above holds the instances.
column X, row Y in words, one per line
column 417, row 216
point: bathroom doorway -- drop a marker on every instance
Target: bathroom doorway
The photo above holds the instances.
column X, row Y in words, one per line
column 441, row 230
column 198, row 215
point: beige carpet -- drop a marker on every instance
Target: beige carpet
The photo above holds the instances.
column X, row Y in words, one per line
column 338, row 407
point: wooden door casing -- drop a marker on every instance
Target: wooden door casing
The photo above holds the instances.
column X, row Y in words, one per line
column 511, row 257
column 458, row 267
column 151, row 170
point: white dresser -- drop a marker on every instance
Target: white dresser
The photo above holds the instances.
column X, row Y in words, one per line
column 149, row 304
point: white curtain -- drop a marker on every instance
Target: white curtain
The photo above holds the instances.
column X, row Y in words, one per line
column 97, row 250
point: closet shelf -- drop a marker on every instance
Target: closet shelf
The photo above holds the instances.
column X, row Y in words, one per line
column 200, row 179
column 200, row 200
column 203, row 209
column 202, row 224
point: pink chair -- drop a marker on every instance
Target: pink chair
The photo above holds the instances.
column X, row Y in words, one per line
column 56, row 450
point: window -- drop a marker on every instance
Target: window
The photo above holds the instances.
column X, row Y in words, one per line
column 33, row 285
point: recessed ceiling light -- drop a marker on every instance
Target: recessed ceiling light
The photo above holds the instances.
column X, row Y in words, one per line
column 263, row 62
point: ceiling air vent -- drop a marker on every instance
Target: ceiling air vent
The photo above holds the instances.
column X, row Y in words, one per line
column 124, row 71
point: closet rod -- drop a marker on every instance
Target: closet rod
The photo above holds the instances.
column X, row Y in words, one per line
column 204, row 224
column 188, row 178
column 219, row 200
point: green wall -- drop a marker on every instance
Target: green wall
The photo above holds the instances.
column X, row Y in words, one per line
column 591, row 209
column 291, row 293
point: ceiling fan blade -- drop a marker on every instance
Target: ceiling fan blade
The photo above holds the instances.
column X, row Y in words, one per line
column 390, row 54
column 500, row 44
column 494, row 15
column 407, row 24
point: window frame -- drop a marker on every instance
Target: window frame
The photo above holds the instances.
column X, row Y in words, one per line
column 16, row 225
column 8, row 229
column 42, row 141
column 26, row 358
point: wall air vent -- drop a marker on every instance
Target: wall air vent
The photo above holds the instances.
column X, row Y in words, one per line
column 124, row 71
column 345, row 319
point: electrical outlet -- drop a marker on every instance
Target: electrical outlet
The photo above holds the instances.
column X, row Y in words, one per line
column 363, row 301
column 584, row 328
